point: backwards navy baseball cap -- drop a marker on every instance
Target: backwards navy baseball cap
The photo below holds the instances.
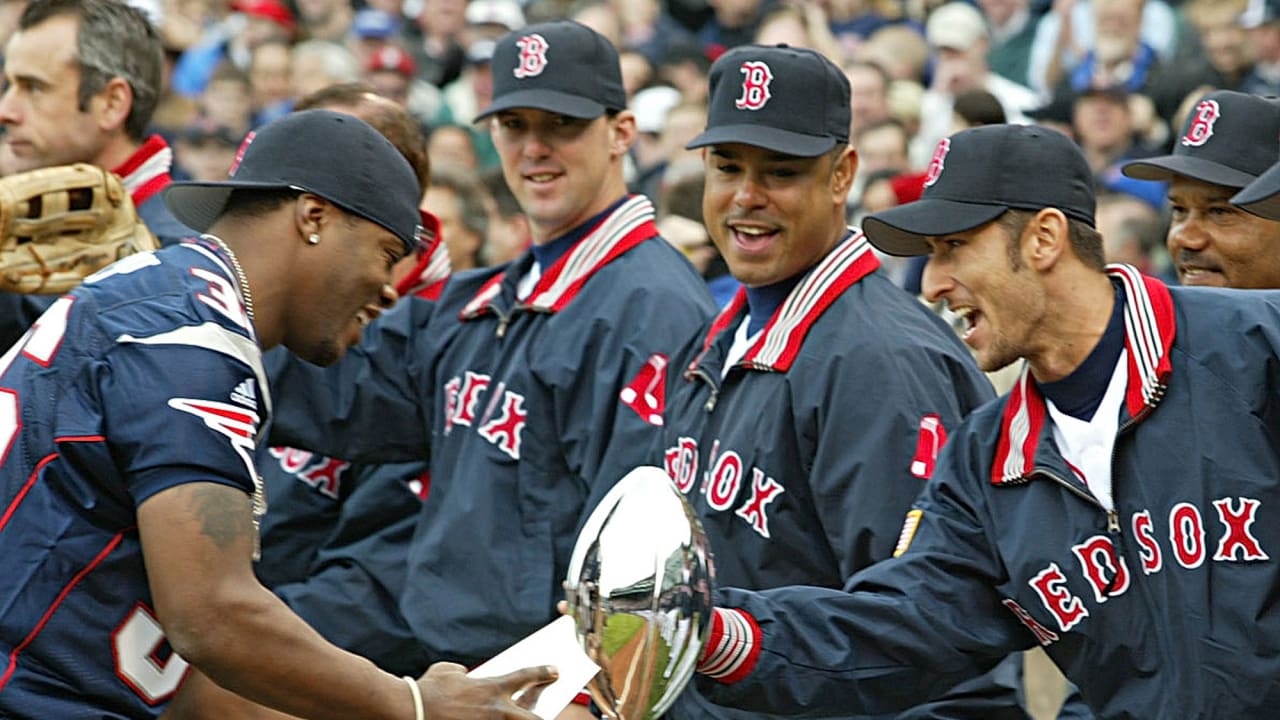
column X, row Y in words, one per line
column 977, row 175
column 1262, row 196
column 789, row 100
column 562, row 67
column 339, row 157
column 1228, row 139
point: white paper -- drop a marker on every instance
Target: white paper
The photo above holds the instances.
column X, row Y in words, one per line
column 555, row 644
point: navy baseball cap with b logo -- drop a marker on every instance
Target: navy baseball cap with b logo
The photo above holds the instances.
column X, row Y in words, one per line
column 337, row 156
column 790, row 100
column 1228, row 139
column 978, row 174
column 561, row 67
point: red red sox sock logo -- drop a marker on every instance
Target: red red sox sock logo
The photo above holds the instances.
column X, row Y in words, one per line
column 1106, row 573
column 937, row 162
column 646, row 394
column 1202, row 121
column 501, row 423
column 533, row 56
column 755, row 85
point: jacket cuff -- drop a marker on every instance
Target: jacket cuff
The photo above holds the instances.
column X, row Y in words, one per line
column 733, row 646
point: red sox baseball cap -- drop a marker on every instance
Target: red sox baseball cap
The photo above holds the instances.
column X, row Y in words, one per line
column 978, row 174
column 789, row 100
column 1262, row 196
column 1228, row 139
column 339, row 157
column 561, row 67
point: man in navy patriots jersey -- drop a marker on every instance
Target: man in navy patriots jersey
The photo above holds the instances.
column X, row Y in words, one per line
column 803, row 421
column 128, row 417
column 1115, row 508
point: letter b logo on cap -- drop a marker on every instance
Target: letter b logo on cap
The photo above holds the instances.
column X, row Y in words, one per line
column 1203, row 118
column 939, row 160
column 755, row 85
column 533, row 55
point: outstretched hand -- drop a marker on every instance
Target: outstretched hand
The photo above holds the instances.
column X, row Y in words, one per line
column 448, row 692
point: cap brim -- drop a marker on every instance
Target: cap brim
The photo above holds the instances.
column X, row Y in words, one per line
column 1262, row 196
column 775, row 139
column 902, row 230
column 1168, row 167
column 549, row 100
column 198, row 204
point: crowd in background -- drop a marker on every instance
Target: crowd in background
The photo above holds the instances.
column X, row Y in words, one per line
column 1116, row 75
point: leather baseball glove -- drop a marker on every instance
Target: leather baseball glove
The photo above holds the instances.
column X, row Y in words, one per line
column 60, row 224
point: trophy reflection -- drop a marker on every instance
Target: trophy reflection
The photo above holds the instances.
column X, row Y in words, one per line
column 639, row 589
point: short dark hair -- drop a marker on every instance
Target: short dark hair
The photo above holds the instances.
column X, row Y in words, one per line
column 1086, row 241
column 979, row 107
column 386, row 116
column 114, row 40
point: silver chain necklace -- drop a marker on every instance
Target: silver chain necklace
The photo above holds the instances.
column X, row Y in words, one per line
column 258, row 505
column 241, row 279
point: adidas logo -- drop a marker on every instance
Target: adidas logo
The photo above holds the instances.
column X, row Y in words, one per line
column 246, row 393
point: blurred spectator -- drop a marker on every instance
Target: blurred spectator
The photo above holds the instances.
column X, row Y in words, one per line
column 251, row 23
column 1132, row 232
column 906, row 97
column 1013, row 28
column 227, row 98
column 685, row 67
column 459, row 200
column 509, row 235
column 637, row 71
column 317, row 64
column 324, row 19
column 732, row 23
column 900, row 49
column 853, row 21
column 372, row 30
column 1262, row 21
column 1066, row 34
column 648, row 153
column 437, row 48
column 649, row 29
column 976, row 107
column 270, row 82
column 601, row 17
column 205, row 150
column 882, row 146
column 1224, row 43
column 868, row 94
column 803, row 26
column 957, row 33
column 464, row 97
column 1103, row 124
column 390, row 71
column 453, row 145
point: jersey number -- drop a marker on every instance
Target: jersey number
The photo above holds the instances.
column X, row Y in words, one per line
column 135, row 646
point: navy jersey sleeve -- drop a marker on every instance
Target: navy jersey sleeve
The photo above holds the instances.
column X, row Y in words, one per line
column 370, row 406
column 903, row 630
column 170, row 427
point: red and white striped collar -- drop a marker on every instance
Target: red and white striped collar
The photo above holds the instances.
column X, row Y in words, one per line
column 783, row 336
column 146, row 171
column 1149, row 325
column 427, row 278
column 623, row 229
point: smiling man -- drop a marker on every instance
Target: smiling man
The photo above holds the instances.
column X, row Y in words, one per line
column 1113, row 508
column 805, row 418
column 521, row 393
column 1227, row 141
